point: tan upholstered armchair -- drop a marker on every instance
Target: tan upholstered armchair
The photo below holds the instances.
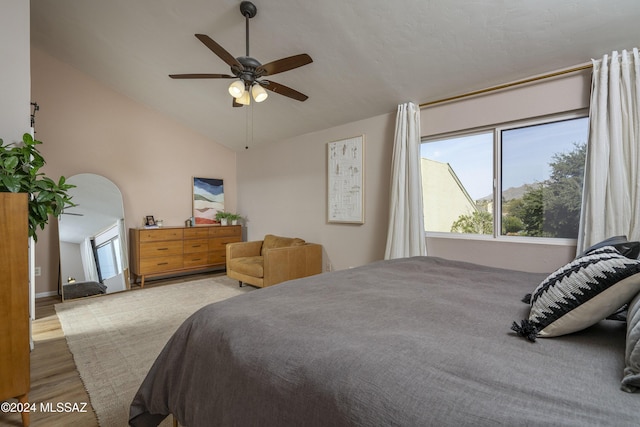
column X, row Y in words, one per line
column 273, row 260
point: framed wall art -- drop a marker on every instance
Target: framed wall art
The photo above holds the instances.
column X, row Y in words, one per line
column 345, row 181
column 208, row 198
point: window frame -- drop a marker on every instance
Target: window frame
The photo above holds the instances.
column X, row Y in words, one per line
column 497, row 129
column 112, row 244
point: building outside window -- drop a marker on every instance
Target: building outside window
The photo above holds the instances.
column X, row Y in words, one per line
column 522, row 179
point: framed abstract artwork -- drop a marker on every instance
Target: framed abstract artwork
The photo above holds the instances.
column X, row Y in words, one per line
column 208, row 198
column 345, row 181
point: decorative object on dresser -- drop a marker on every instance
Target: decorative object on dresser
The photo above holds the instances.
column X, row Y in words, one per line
column 273, row 260
column 14, row 300
column 171, row 250
column 208, row 199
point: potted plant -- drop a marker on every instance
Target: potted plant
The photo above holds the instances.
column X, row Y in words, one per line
column 19, row 166
column 234, row 218
column 222, row 217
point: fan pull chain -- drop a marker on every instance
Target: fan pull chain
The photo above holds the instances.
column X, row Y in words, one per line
column 246, row 131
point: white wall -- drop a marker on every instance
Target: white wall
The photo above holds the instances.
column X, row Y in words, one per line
column 73, row 264
column 282, row 187
column 15, row 81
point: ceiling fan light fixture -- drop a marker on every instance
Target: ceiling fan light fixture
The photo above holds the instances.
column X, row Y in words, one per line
column 236, row 89
column 248, row 70
column 245, row 99
column 258, row 92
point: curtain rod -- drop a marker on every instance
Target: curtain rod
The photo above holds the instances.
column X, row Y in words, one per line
column 508, row 85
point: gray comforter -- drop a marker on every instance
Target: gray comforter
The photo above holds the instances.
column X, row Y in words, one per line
column 411, row 342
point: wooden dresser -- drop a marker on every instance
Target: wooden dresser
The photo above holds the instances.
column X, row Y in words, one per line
column 14, row 301
column 170, row 250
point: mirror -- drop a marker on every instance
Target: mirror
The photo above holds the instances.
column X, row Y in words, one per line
column 93, row 247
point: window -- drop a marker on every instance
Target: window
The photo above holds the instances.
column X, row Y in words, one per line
column 108, row 259
column 107, row 253
column 523, row 179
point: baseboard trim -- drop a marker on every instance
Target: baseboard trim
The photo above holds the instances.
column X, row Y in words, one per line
column 46, row 294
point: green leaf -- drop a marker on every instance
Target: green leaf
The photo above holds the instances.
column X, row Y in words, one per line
column 10, row 163
column 11, row 183
column 20, row 173
column 43, row 212
column 45, row 196
column 28, row 139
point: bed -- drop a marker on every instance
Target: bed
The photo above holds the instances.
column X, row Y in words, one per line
column 83, row 289
column 419, row 341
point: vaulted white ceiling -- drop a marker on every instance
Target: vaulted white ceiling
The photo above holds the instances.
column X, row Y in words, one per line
column 369, row 55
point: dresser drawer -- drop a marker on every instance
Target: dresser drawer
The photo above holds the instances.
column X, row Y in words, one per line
column 157, row 234
column 195, row 259
column 196, row 245
column 160, row 264
column 156, row 249
column 224, row 231
column 220, row 243
column 195, row 233
column 218, row 257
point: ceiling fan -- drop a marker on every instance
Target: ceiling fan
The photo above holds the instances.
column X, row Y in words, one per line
column 249, row 71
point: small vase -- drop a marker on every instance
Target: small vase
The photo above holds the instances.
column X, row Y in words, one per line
column 223, row 221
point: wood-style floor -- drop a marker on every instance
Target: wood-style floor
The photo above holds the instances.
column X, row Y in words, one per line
column 54, row 376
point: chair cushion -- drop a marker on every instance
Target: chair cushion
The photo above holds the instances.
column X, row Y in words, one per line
column 270, row 242
column 251, row 266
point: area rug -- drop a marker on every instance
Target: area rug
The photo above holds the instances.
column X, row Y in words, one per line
column 115, row 338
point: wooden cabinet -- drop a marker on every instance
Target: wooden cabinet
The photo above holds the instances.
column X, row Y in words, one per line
column 171, row 250
column 14, row 299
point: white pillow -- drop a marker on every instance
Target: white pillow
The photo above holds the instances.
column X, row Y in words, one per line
column 581, row 293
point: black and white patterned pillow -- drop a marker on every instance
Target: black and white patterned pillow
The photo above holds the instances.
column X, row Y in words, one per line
column 581, row 293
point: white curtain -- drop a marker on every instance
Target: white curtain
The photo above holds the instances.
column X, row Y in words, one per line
column 611, row 195
column 88, row 261
column 405, row 236
column 122, row 245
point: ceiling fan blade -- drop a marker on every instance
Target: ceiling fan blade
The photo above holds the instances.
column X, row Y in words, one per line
column 284, row 64
column 219, row 50
column 283, row 90
column 201, row 76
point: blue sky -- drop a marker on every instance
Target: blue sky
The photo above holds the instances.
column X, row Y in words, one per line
column 526, row 154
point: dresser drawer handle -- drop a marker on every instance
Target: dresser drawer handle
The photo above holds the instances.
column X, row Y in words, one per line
column 196, row 259
column 163, row 249
column 162, row 263
column 195, row 246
